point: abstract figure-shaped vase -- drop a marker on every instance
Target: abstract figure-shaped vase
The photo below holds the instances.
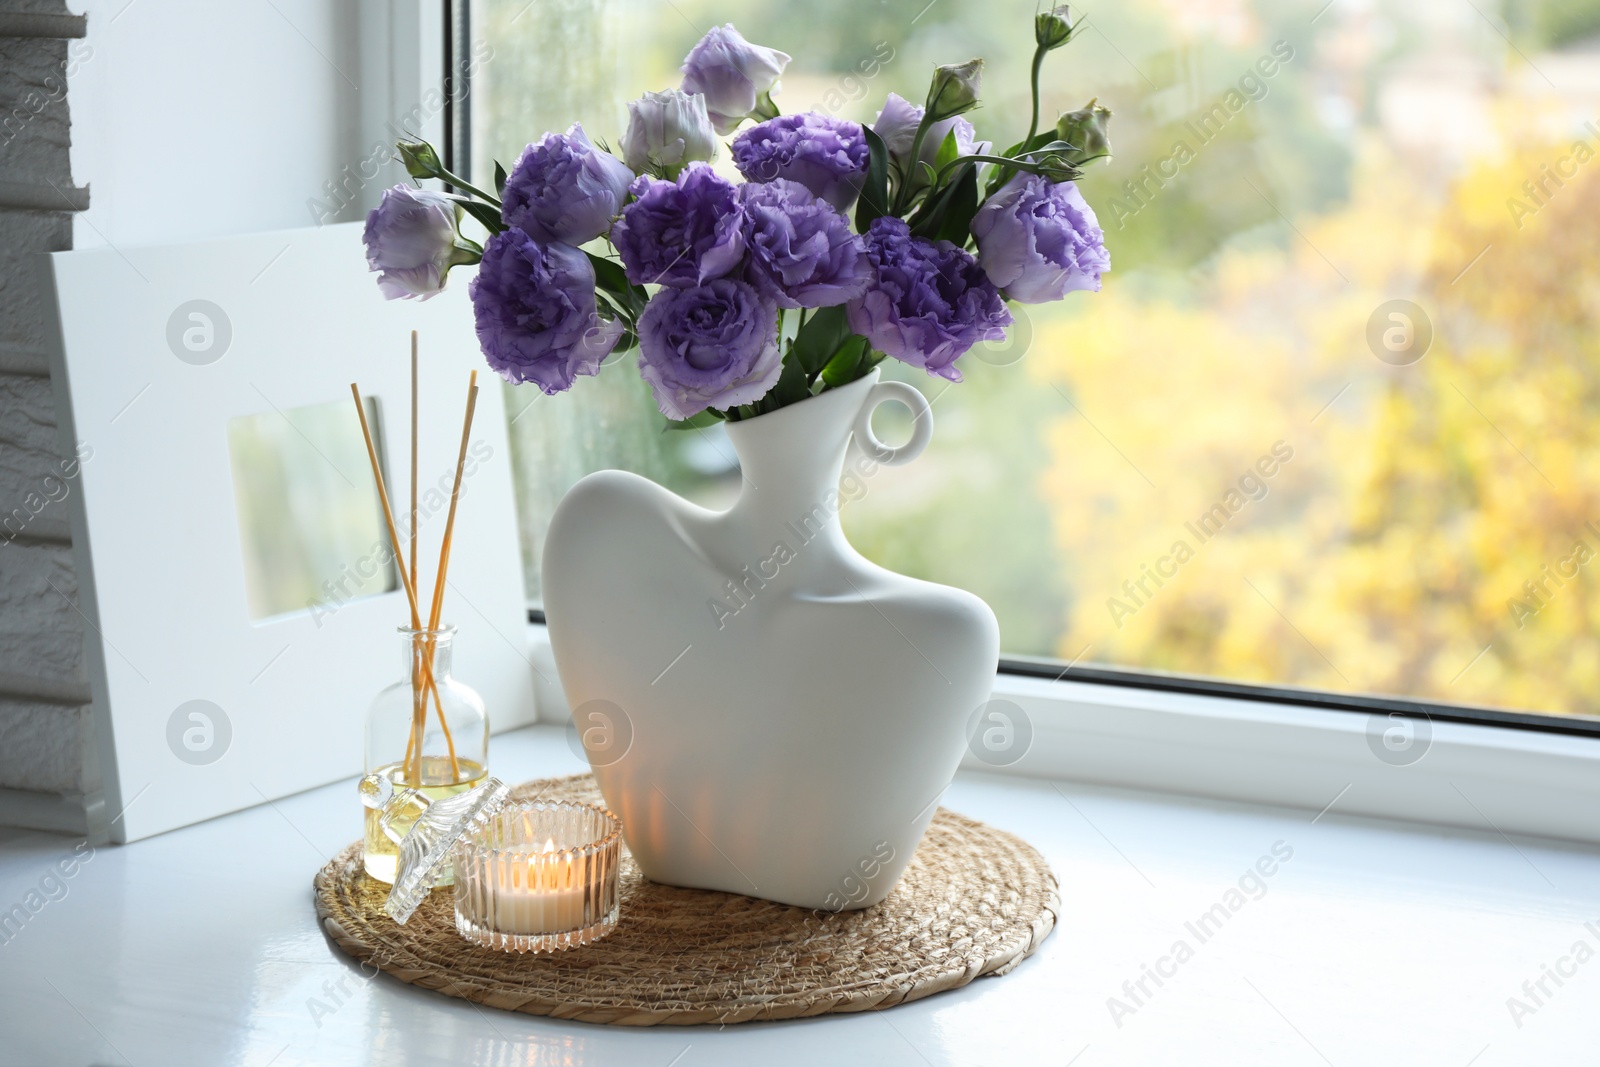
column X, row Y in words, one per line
column 768, row 712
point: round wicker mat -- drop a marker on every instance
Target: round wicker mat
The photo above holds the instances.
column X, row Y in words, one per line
column 974, row 901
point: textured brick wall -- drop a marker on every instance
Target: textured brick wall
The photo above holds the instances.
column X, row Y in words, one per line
column 47, row 763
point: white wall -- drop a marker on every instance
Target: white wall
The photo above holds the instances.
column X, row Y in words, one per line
column 189, row 119
column 200, row 118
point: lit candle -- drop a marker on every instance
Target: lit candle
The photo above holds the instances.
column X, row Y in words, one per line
column 539, row 890
column 539, row 877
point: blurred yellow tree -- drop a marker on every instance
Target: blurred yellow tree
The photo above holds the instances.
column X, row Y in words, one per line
column 1429, row 535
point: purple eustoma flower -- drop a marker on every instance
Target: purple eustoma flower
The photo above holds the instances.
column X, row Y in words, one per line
column 713, row 346
column 410, row 238
column 564, row 189
column 1039, row 240
column 799, row 250
column 897, row 125
column 535, row 309
column 929, row 303
column 732, row 74
column 822, row 153
column 681, row 233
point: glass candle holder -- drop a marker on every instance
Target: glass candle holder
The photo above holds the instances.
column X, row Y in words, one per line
column 426, row 833
column 539, row 877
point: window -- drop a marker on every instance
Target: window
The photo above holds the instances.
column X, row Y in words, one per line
column 1331, row 422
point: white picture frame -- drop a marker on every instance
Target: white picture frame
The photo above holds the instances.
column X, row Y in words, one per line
column 146, row 391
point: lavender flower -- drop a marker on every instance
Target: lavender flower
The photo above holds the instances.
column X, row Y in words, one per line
column 929, row 303
column 897, row 125
column 564, row 189
column 410, row 238
column 801, row 252
column 535, row 309
column 681, row 233
column 822, row 153
column 1039, row 241
column 732, row 74
column 713, row 346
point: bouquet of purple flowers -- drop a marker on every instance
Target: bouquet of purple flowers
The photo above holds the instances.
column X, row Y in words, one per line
column 742, row 297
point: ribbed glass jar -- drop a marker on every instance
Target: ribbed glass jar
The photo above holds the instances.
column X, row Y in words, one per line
column 539, row 877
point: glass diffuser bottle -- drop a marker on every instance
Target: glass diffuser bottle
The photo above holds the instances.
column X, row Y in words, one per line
column 427, row 732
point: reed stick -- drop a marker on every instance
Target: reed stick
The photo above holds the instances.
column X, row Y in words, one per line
column 419, row 694
column 445, row 544
column 455, row 496
column 383, row 500
column 414, row 459
column 415, row 752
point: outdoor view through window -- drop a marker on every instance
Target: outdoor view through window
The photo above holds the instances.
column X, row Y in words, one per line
column 1332, row 421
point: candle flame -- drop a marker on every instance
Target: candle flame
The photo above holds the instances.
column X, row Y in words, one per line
column 549, row 845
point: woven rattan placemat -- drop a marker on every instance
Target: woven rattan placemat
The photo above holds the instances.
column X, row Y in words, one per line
column 973, row 902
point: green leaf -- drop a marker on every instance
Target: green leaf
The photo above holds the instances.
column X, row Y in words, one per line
column 1039, row 141
column 1054, row 144
column 948, row 150
column 956, row 226
column 708, row 417
column 611, row 278
column 794, row 385
column 1003, row 174
column 487, row 214
column 845, row 367
column 499, row 178
column 822, row 335
column 875, row 193
column 928, row 220
column 765, row 108
column 609, row 274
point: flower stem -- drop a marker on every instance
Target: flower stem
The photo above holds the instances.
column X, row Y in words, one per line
column 1038, row 62
column 1000, row 161
column 462, row 183
column 900, row 197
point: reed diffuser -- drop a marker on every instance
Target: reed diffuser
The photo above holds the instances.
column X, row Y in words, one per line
column 428, row 731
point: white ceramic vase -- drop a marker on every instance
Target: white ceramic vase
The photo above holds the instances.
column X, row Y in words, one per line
column 768, row 712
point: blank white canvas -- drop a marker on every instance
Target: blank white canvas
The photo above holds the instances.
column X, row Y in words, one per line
column 155, row 528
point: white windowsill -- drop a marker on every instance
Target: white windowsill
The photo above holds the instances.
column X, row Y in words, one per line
column 1374, row 943
column 1502, row 780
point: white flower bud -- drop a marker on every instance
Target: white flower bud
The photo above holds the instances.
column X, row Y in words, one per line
column 667, row 131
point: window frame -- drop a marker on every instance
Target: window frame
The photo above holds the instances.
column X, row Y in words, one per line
column 1325, row 699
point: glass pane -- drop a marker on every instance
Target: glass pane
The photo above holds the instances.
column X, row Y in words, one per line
column 310, row 523
column 1332, row 420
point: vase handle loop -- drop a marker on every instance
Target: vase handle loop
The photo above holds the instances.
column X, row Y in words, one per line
column 921, row 423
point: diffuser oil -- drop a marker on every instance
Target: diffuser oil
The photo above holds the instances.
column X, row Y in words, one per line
column 379, row 854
